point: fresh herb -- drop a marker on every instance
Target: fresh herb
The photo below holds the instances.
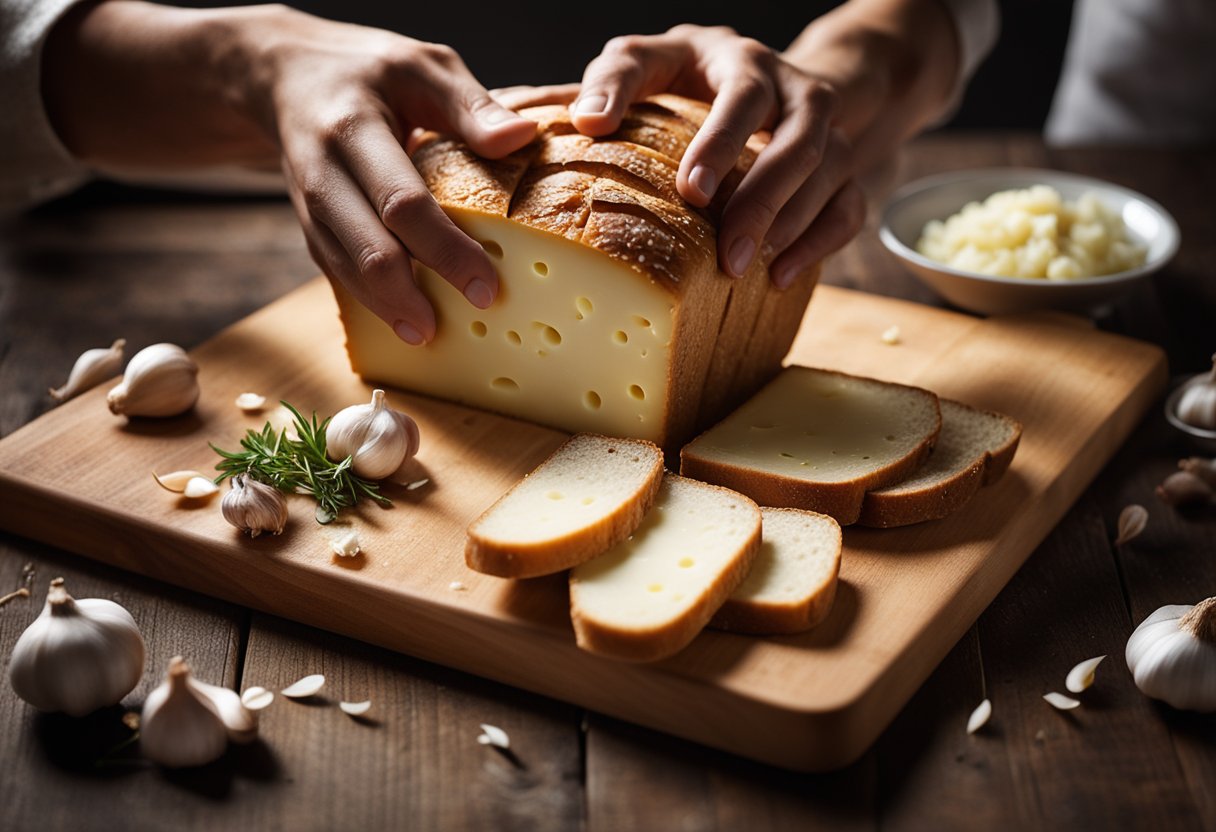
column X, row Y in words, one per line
column 299, row 466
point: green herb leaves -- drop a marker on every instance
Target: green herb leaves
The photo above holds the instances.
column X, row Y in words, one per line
column 299, row 466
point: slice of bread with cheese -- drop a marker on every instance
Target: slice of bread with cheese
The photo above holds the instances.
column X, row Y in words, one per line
column 792, row 583
column 589, row 495
column 974, row 448
column 818, row 440
column 613, row 316
column 648, row 597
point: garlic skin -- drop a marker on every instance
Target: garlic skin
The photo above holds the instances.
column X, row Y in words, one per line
column 240, row 722
column 77, row 655
column 91, row 369
column 254, row 507
column 1197, row 407
column 1172, row 656
column 160, row 381
column 380, row 440
column 181, row 726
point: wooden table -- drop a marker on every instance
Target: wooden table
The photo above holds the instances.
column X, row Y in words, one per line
column 109, row 263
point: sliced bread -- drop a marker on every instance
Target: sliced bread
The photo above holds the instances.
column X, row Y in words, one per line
column 792, row 583
column 649, row 596
column 975, row 448
column 818, row 440
column 590, row 494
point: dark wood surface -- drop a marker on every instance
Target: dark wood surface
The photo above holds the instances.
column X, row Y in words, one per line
column 108, row 263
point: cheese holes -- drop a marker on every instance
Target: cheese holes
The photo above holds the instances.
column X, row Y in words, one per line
column 513, row 337
column 592, row 400
column 620, row 337
column 583, row 308
column 478, row 328
column 637, row 392
column 505, row 384
column 492, row 248
column 547, row 333
column 542, row 269
column 644, row 323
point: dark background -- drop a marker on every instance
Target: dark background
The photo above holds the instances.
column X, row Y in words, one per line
column 551, row 41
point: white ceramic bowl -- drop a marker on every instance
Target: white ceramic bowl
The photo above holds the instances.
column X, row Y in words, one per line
column 938, row 197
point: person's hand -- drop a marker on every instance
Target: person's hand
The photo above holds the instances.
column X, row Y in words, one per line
column 340, row 101
column 798, row 197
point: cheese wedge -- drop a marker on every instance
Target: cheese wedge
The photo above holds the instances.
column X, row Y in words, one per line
column 649, row 596
column 792, row 584
column 818, row 440
column 589, row 495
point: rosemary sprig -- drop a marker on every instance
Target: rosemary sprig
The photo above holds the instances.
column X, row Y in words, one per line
column 299, row 466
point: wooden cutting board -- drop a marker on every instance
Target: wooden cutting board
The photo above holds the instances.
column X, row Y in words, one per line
column 79, row 478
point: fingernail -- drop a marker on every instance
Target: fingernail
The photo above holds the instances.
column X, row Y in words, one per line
column 478, row 293
column 407, row 333
column 592, row 105
column 704, row 180
column 741, row 253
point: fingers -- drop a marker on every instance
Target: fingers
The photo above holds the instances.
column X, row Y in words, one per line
column 793, row 156
column 739, row 109
column 629, row 68
column 403, row 205
column 518, row 97
column 839, row 221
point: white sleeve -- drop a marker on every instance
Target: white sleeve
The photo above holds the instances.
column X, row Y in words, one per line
column 34, row 164
column 978, row 25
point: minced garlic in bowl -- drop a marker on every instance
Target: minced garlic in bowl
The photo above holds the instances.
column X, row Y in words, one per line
column 1033, row 233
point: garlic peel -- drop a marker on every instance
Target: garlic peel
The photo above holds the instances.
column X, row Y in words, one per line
column 1204, row 469
column 378, row 439
column 1132, row 522
column 1082, row 676
column 979, row 717
column 493, row 735
column 175, row 481
column 78, row 655
column 257, row 698
column 91, row 368
column 1172, row 656
column 1061, row 702
column 346, row 544
column 355, row 708
column 250, row 402
column 308, row 686
column 181, row 726
column 160, row 381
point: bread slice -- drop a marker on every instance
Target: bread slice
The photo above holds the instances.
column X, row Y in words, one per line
column 974, row 448
column 649, row 596
column 792, row 584
column 818, row 440
column 589, row 495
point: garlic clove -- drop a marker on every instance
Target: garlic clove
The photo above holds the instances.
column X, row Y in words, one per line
column 891, row 336
column 416, row 484
column 181, row 726
column 304, row 688
column 1197, row 407
column 355, row 708
column 240, row 722
column 378, row 439
column 160, row 381
column 176, row 481
column 1132, row 521
column 254, row 507
column 346, row 544
column 495, row 736
column 1204, row 469
column 198, row 488
column 250, row 402
column 1061, row 702
column 78, row 655
column 1082, row 676
column 91, row 369
column 257, row 698
column 1183, row 488
column 979, row 717
column 457, row 586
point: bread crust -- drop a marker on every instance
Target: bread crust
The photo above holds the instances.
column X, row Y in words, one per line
column 648, row 644
column 490, row 556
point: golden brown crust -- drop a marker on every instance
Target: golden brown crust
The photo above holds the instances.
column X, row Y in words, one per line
column 490, row 556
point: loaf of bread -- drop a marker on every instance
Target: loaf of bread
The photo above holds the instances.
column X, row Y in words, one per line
column 818, row 440
column 648, row 597
column 589, row 495
column 975, row 448
column 613, row 316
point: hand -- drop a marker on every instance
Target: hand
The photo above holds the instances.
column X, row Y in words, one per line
column 340, row 102
column 798, row 197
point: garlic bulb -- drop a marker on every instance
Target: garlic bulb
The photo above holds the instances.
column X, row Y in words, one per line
column 91, row 369
column 181, row 725
column 379, row 439
column 78, row 655
column 254, row 507
column 1172, row 656
column 161, row 380
column 1197, row 407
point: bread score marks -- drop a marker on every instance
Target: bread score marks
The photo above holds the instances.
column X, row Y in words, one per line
column 974, row 449
column 649, row 596
column 589, row 495
column 818, row 440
